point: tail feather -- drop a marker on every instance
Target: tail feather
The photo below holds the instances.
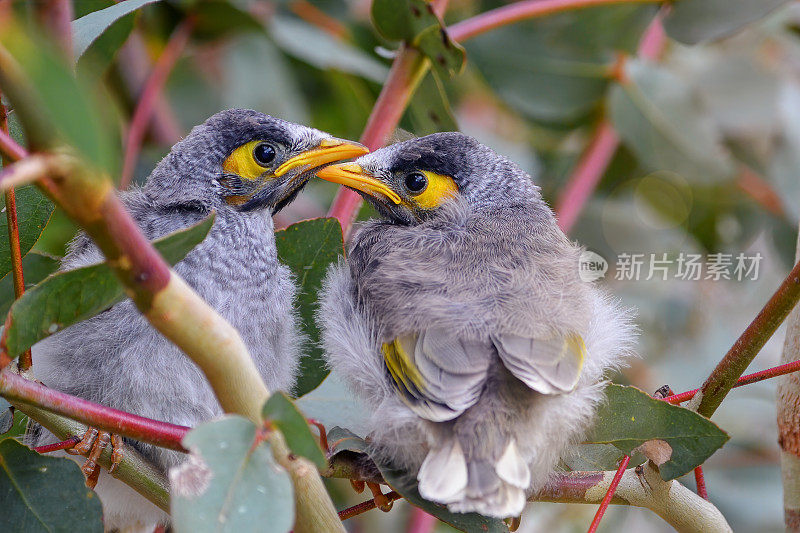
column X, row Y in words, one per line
column 491, row 488
column 443, row 475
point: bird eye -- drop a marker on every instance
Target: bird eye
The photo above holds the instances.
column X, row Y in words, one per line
column 416, row 182
column 264, row 154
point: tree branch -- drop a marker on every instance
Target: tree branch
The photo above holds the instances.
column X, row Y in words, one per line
column 788, row 406
column 724, row 377
column 16, row 388
column 527, row 9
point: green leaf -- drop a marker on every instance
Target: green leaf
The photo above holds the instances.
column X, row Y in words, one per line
column 214, row 20
column 658, row 117
column 75, row 295
column 333, row 404
column 36, row 267
column 39, row 493
column 228, row 484
column 696, row 21
column 282, row 413
column 52, row 105
column 429, row 110
column 33, row 212
column 414, row 22
column 88, row 28
column 677, row 439
column 345, row 441
column 555, row 70
column 308, row 248
column 319, row 49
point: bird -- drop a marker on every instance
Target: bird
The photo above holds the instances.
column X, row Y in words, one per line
column 244, row 166
column 460, row 317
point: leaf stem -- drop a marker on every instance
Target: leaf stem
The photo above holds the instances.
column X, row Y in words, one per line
column 363, row 507
column 25, row 360
column 700, row 480
column 149, row 97
column 612, row 488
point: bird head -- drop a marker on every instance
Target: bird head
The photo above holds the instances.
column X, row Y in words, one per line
column 245, row 160
column 412, row 181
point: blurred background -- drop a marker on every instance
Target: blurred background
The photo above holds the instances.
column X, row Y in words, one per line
column 703, row 162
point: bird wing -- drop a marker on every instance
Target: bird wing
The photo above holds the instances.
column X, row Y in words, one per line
column 435, row 373
column 549, row 366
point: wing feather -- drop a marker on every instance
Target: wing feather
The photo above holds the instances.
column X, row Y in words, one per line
column 549, row 366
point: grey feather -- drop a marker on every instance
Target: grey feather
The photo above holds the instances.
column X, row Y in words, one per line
column 491, row 269
column 117, row 359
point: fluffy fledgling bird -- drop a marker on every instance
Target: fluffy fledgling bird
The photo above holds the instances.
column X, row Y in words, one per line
column 244, row 166
column 461, row 318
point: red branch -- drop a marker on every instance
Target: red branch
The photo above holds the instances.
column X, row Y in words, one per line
column 403, row 77
column 594, row 162
column 700, row 480
column 586, row 176
column 609, row 494
column 527, row 9
column 10, row 148
column 13, row 240
column 163, row 434
column 63, row 445
column 761, row 375
column 149, row 97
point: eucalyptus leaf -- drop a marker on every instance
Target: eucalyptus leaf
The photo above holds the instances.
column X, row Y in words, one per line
column 675, row 438
column 88, row 28
column 696, row 21
column 230, row 483
column 658, row 117
column 75, row 295
column 43, row 494
column 308, row 248
column 318, row 48
column 333, row 404
column 36, row 267
column 282, row 413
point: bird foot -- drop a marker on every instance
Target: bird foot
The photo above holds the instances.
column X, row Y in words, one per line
column 513, row 523
column 92, row 444
column 381, row 501
column 357, row 485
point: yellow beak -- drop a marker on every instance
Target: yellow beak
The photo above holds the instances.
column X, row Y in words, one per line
column 353, row 176
column 328, row 151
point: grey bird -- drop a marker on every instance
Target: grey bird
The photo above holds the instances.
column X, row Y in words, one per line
column 244, row 166
column 461, row 318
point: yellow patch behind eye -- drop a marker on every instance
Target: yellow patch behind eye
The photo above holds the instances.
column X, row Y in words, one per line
column 439, row 189
column 242, row 163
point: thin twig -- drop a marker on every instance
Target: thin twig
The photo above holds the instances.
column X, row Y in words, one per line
column 527, row 9
column 755, row 377
column 609, row 494
column 25, row 360
column 149, row 97
column 700, row 480
column 63, row 445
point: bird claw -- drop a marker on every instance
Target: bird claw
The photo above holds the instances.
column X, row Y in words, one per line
column 357, row 485
column 323, row 434
column 381, row 501
column 513, row 523
column 92, row 444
